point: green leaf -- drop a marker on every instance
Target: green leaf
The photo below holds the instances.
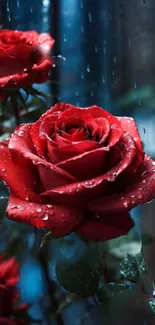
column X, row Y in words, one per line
column 110, row 290
column 123, row 245
column 4, row 136
column 129, row 269
column 133, row 268
column 79, row 278
column 152, row 305
column 142, row 268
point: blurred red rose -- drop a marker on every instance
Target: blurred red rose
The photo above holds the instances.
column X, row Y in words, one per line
column 24, row 58
column 77, row 169
column 9, row 296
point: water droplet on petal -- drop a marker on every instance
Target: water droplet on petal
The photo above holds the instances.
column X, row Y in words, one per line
column 140, row 196
column 3, row 170
column 39, row 209
column 125, row 204
column 50, row 206
column 20, row 133
column 153, row 163
column 45, row 217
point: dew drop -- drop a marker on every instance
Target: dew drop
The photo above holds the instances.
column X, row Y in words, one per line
column 3, row 170
column 25, row 70
column 140, row 196
column 49, row 206
column 39, row 209
column 144, row 181
column 125, row 204
column 153, row 163
column 20, row 133
column 45, row 217
column 88, row 68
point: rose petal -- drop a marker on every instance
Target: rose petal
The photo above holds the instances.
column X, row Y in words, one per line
column 9, row 272
column 18, row 179
column 78, row 165
column 140, row 190
column 86, row 190
column 40, row 145
column 22, row 150
column 110, row 227
column 57, row 155
column 58, row 219
column 7, row 321
column 129, row 125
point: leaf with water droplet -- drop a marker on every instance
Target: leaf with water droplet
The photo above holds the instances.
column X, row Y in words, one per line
column 133, row 268
column 152, row 305
column 79, row 278
column 110, row 290
column 129, row 269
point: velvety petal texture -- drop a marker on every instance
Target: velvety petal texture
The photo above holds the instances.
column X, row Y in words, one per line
column 24, row 58
column 77, row 169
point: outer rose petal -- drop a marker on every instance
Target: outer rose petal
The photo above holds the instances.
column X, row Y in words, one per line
column 140, row 191
column 87, row 190
column 59, row 219
column 129, row 125
column 17, row 178
column 111, row 227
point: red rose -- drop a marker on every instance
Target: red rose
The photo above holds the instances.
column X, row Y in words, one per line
column 24, row 58
column 9, row 276
column 77, row 170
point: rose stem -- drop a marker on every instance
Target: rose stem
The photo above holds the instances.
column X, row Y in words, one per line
column 15, row 109
column 51, row 288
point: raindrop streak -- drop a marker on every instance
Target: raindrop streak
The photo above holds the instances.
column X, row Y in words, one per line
column 90, row 17
column 88, row 68
column 8, row 11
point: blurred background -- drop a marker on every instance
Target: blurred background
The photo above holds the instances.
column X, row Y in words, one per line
column 105, row 55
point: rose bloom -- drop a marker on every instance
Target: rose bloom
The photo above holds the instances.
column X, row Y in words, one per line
column 9, row 309
column 77, row 169
column 24, row 58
